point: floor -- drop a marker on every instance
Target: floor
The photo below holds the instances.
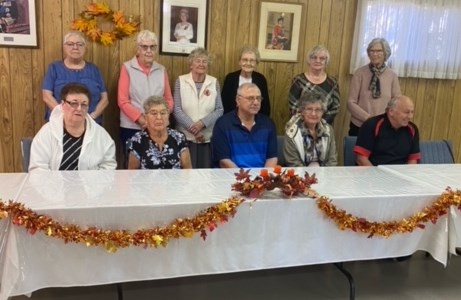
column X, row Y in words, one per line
column 417, row 278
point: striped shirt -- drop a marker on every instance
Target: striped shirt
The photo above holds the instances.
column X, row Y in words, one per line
column 72, row 146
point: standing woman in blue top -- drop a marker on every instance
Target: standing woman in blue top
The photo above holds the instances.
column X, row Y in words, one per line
column 248, row 61
column 74, row 68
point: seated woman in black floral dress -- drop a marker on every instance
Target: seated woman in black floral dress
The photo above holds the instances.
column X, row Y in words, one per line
column 157, row 146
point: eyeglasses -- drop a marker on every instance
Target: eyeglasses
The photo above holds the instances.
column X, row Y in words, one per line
column 321, row 58
column 252, row 98
column 76, row 105
column 200, row 61
column 72, row 45
column 378, row 51
column 311, row 110
column 248, row 61
column 155, row 113
column 148, row 47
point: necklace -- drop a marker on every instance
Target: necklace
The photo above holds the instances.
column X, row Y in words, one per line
column 316, row 79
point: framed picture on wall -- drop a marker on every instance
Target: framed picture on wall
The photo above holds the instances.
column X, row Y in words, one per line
column 17, row 23
column 279, row 28
column 183, row 26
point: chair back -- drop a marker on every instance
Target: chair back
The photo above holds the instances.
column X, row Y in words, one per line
column 436, row 152
column 349, row 155
column 26, row 143
column 280, row 157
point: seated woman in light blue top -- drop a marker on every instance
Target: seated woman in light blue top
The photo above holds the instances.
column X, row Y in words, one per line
column 309, row 139
column 73, row 68
column 157, row 146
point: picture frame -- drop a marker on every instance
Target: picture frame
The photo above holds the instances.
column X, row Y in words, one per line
column 279, row 29
column 18, row 27
column 183, row 26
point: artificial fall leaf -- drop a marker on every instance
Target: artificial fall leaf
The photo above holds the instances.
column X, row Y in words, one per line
column 362, row 221
column 98, row 9
column 212, row 226
column 310, row 179
column 110, row 247
column 442, row 212
column 157, row 239
column 255, row 193
column 125, row 29
column 79, row 24
column 92, row 24
column 17, row 221
column 118, row 17
column 94, row 33
column 224, row 219
column 3, row 214
column 106, row 38
column 223, row 207
column 203, row 234
column 242, row 174
column 188, row 233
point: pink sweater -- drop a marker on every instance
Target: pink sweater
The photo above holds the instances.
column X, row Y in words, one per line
column 360, row 102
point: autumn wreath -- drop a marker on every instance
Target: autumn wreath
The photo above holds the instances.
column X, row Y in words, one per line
column 87, row 23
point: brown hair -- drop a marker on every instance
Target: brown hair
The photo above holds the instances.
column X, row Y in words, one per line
column 75, row 88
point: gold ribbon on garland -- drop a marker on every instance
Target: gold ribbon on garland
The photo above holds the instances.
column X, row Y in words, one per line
column 206, row 220
column 431, row 213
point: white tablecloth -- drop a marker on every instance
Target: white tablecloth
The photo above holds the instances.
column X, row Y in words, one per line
column 269, row 233
column 10, row 185
column 441, row 177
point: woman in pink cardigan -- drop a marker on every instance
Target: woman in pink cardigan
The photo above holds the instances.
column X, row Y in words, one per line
column 140, row 78
column 372, row 86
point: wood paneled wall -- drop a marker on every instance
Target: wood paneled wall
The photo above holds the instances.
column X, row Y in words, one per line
column 231, row 24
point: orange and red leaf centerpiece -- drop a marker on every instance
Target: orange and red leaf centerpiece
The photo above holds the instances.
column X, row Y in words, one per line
column 286, row 181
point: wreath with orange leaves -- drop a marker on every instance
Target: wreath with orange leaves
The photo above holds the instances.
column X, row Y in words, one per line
column 87, row 23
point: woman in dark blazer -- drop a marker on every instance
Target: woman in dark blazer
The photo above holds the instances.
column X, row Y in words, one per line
column 248, row 60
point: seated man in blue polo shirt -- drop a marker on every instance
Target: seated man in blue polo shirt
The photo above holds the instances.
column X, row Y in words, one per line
column 243, row 138
column 390, row 138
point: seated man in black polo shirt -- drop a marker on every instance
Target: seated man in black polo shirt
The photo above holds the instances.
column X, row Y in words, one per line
column 390, row 138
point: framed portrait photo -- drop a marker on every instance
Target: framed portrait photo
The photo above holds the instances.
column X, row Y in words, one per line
column 17, row 23
column 183, row 26
column 279, row 29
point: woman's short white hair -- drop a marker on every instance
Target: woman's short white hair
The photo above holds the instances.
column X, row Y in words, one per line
column 317, row 49
column 146, row 35
column 74, row 33
column 198, row 53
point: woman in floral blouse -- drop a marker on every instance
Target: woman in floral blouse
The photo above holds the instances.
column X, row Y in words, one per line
column 157, row 146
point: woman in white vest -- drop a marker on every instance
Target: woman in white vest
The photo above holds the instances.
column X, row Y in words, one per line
column 197, row 106
column 140, row 78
